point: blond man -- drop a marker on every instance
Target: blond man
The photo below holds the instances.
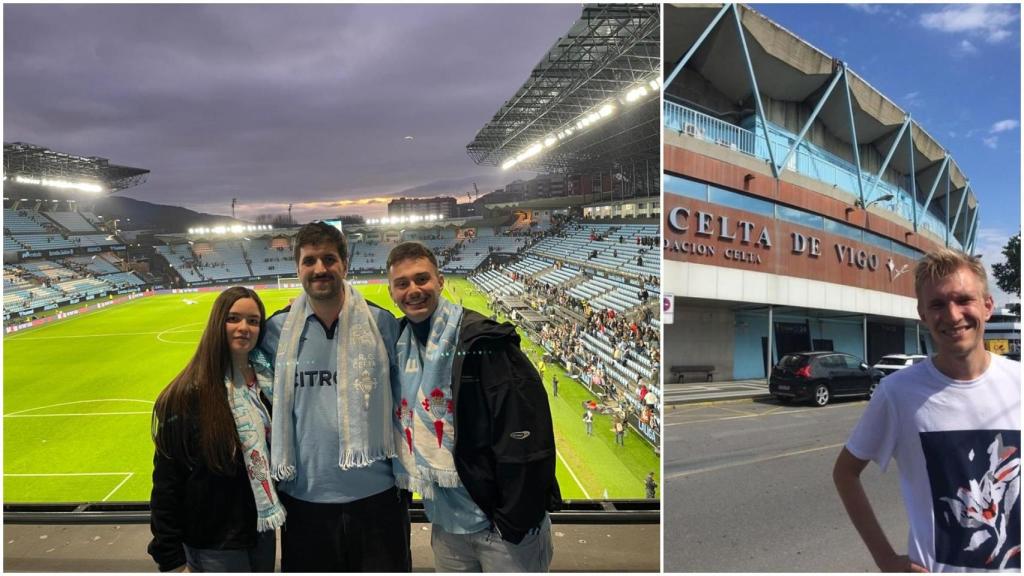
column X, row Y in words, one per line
column 952, row 423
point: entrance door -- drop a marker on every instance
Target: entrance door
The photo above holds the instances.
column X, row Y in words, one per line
column 792, row 337
column 885, row 339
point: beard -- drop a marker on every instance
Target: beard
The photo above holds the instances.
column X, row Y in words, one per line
column 328, row 291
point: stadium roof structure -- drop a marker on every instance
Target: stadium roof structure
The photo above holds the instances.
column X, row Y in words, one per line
column 39, row 163
column 589, row 103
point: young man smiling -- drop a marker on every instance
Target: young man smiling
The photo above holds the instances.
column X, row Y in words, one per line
column 332, row 438
column 473, row 427
column 953, row 425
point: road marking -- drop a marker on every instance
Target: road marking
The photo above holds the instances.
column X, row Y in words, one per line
column 772, row 412
column 753, row 461
column 78, row 402
column 737, row 411
column 573, row 474
column 75, row 414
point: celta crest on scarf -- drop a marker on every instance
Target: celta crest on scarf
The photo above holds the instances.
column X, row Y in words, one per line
column 365, row 432
column 248, row 411
column 425, row 412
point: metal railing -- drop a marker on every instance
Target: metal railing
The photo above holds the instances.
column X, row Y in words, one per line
column 572, row 512
column 698, row 125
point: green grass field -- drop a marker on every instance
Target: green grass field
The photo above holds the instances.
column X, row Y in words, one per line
column 78, row 395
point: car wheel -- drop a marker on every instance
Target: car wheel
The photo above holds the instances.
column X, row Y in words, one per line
column 821, row 395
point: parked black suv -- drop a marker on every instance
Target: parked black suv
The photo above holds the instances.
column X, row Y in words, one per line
column 821, row 376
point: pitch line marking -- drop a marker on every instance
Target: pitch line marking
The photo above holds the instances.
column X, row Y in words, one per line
column 118, row 487
column 753, row 461
column 72, row 336
column 78, row 402
column 177, row 330
column 573, row 474
column 43, row 475
column 74, row 414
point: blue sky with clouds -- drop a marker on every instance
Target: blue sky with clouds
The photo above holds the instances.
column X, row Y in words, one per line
column 955, row 68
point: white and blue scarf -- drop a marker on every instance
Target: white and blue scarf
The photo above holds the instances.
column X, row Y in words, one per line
column 251, row 422
column 364, row 388
column 426, row 410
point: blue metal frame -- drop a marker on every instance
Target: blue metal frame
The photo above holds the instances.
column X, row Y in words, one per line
column 840, row 72
column 693, row 49
column 889, row 155
column 973, row 231
column 757, row 93
column 947, row 208
column 913, row 175
column 935, row 184
column 959, row 208
column 853, row 134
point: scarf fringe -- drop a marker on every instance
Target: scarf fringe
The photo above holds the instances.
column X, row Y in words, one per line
column 425, row 487
column 272, row 522
column 360, row 459
column 282, row 473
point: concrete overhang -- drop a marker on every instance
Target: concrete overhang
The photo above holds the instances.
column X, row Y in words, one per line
column 791, row 70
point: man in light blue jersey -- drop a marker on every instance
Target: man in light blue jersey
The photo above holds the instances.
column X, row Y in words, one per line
column 474, row 428
column 332, row 439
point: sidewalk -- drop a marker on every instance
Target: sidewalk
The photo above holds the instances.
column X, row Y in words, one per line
column 692, row 392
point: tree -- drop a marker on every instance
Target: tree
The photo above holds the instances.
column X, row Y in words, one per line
column 1008, row 273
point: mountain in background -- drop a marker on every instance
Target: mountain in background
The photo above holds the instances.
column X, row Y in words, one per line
column 156, row 217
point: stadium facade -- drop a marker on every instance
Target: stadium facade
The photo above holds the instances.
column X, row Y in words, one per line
column 797, row 199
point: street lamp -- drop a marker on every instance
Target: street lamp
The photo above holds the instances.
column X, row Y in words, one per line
column 859, row 203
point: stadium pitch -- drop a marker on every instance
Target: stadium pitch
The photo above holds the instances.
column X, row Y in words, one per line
column 78, row 395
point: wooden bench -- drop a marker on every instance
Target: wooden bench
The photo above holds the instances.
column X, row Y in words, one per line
column 706, row 369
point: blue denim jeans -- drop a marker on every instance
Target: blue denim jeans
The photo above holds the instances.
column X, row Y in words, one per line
column 259, row 558
column 485, row 551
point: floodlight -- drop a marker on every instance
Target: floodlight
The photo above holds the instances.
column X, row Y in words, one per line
column 606, row 110
column 653, row 84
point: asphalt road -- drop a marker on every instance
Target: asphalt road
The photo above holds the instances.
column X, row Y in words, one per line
column 748, row 488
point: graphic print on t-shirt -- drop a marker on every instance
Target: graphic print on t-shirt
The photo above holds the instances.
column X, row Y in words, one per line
column 975, row 481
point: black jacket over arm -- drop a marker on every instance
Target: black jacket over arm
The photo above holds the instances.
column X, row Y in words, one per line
column 504, row 441
column 191, row 504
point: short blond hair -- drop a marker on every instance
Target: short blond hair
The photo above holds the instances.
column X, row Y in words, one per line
column 943, row 262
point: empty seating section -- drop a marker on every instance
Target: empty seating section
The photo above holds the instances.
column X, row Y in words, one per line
column 22, row 221
column 265, row 260
column 494, row 282
column 558, row 276
column 71, row 221
column 180, row 257
column 369, row 257
column 11, row 244
column 222, row 260
column 122, row 280
column 94, row 264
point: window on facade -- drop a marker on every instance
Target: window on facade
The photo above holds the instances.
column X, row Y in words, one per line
column 799, row 217
column 841, row 229
column 740, row 201
column 684, row 187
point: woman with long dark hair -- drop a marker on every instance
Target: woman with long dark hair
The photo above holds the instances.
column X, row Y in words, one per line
column 214, row 506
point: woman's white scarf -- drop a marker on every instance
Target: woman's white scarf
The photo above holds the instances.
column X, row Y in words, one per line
column 363, row 384
column 426, row 410
column 251, row 420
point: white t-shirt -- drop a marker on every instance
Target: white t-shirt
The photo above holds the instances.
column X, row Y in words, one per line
column 958, row 448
